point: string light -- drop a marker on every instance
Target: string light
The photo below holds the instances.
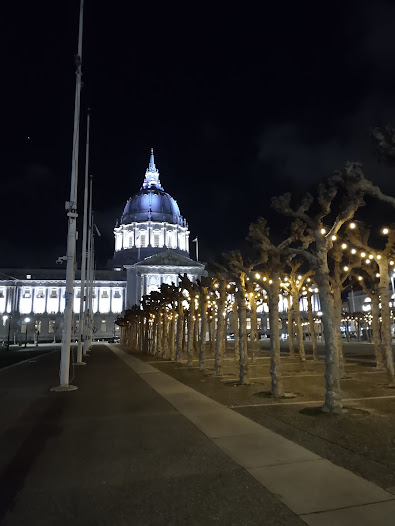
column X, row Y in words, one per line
column 370, row 257
column 360, row 278
column 334, row 238
column 363, row 254
column 352, row 226
column 344, row 245
column 385, row 231
column 323, row 230
column 258, row 276
column 345, row 268
column 377, row 275
column 353, row 251
column 367, row 261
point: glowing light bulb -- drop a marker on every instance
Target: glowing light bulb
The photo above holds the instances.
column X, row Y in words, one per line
column 377, row 275
column 265, row 278
column 270, row 281
column 323, row 230
column 334, row 238
column 370, row 257
column 363, row 254
column 299, row 277
column 385, row 231
column 345, row 268
column 352, row 226
column 378, row 256
column 360, row 278
column 344, row 245
column 367, row 261
column 353, row 251
column 258, row 276
column 391, row 262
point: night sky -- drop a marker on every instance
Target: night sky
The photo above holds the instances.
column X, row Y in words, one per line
column 238, row 104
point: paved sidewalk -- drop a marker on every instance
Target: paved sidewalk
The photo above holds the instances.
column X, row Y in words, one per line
column 115, row 452
column 135, row 446
column 318, row 491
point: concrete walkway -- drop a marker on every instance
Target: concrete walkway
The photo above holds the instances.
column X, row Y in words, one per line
column 114, row 452
column 320, row 492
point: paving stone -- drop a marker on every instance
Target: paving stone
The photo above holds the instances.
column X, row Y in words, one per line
column 318, row 485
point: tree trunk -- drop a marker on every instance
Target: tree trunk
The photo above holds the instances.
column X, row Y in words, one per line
column 386, row 336
column 337, row 300
column 172, row 334
column 196, row 334
column 236, row 328
column 191, row 331
column 299, row 329
column 333, row 403
column 165, row 339
column 254, row 327
column 244, row 374
column 213, row 331
column 290, row 328
column 380, row 359
column 203, row 327
column 159, row 332
column 184, row 332
column 313, row 334
column 179, row 331
column 277, row 388
column 220, row 337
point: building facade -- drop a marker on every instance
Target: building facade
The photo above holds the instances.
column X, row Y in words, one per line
column 151, row 248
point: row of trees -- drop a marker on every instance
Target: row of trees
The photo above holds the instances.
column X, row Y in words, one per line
column 325, row 248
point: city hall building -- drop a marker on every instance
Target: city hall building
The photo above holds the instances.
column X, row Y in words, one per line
column 151, row 248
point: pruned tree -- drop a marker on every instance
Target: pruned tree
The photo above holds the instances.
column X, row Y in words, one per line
column 273, row 258
column 359, row 237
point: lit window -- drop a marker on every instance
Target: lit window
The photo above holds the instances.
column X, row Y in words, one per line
column 156, row 240
column 104, row 294
column 27, row 293
column 117, row 294
column 51, row 326
column 103, row 326
column 53, row 293
column 130, row 241
column 40, row 293
column 143, row 240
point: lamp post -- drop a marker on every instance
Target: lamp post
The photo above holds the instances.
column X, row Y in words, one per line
column 9, row 331
column 26, row 322
column 5, row 318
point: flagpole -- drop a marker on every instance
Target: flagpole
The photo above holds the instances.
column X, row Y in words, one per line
column 83, row 302
column 71, row 208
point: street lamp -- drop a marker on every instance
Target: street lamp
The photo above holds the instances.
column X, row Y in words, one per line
column 26, row 322
column 5, row 318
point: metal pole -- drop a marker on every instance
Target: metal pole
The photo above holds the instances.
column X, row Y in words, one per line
column 83, row 256
column 9, row 330
column 87, row 341
column 72, row 215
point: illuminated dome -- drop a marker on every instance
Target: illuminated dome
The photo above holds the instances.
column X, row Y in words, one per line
column 152, row 203
column 151, row 223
